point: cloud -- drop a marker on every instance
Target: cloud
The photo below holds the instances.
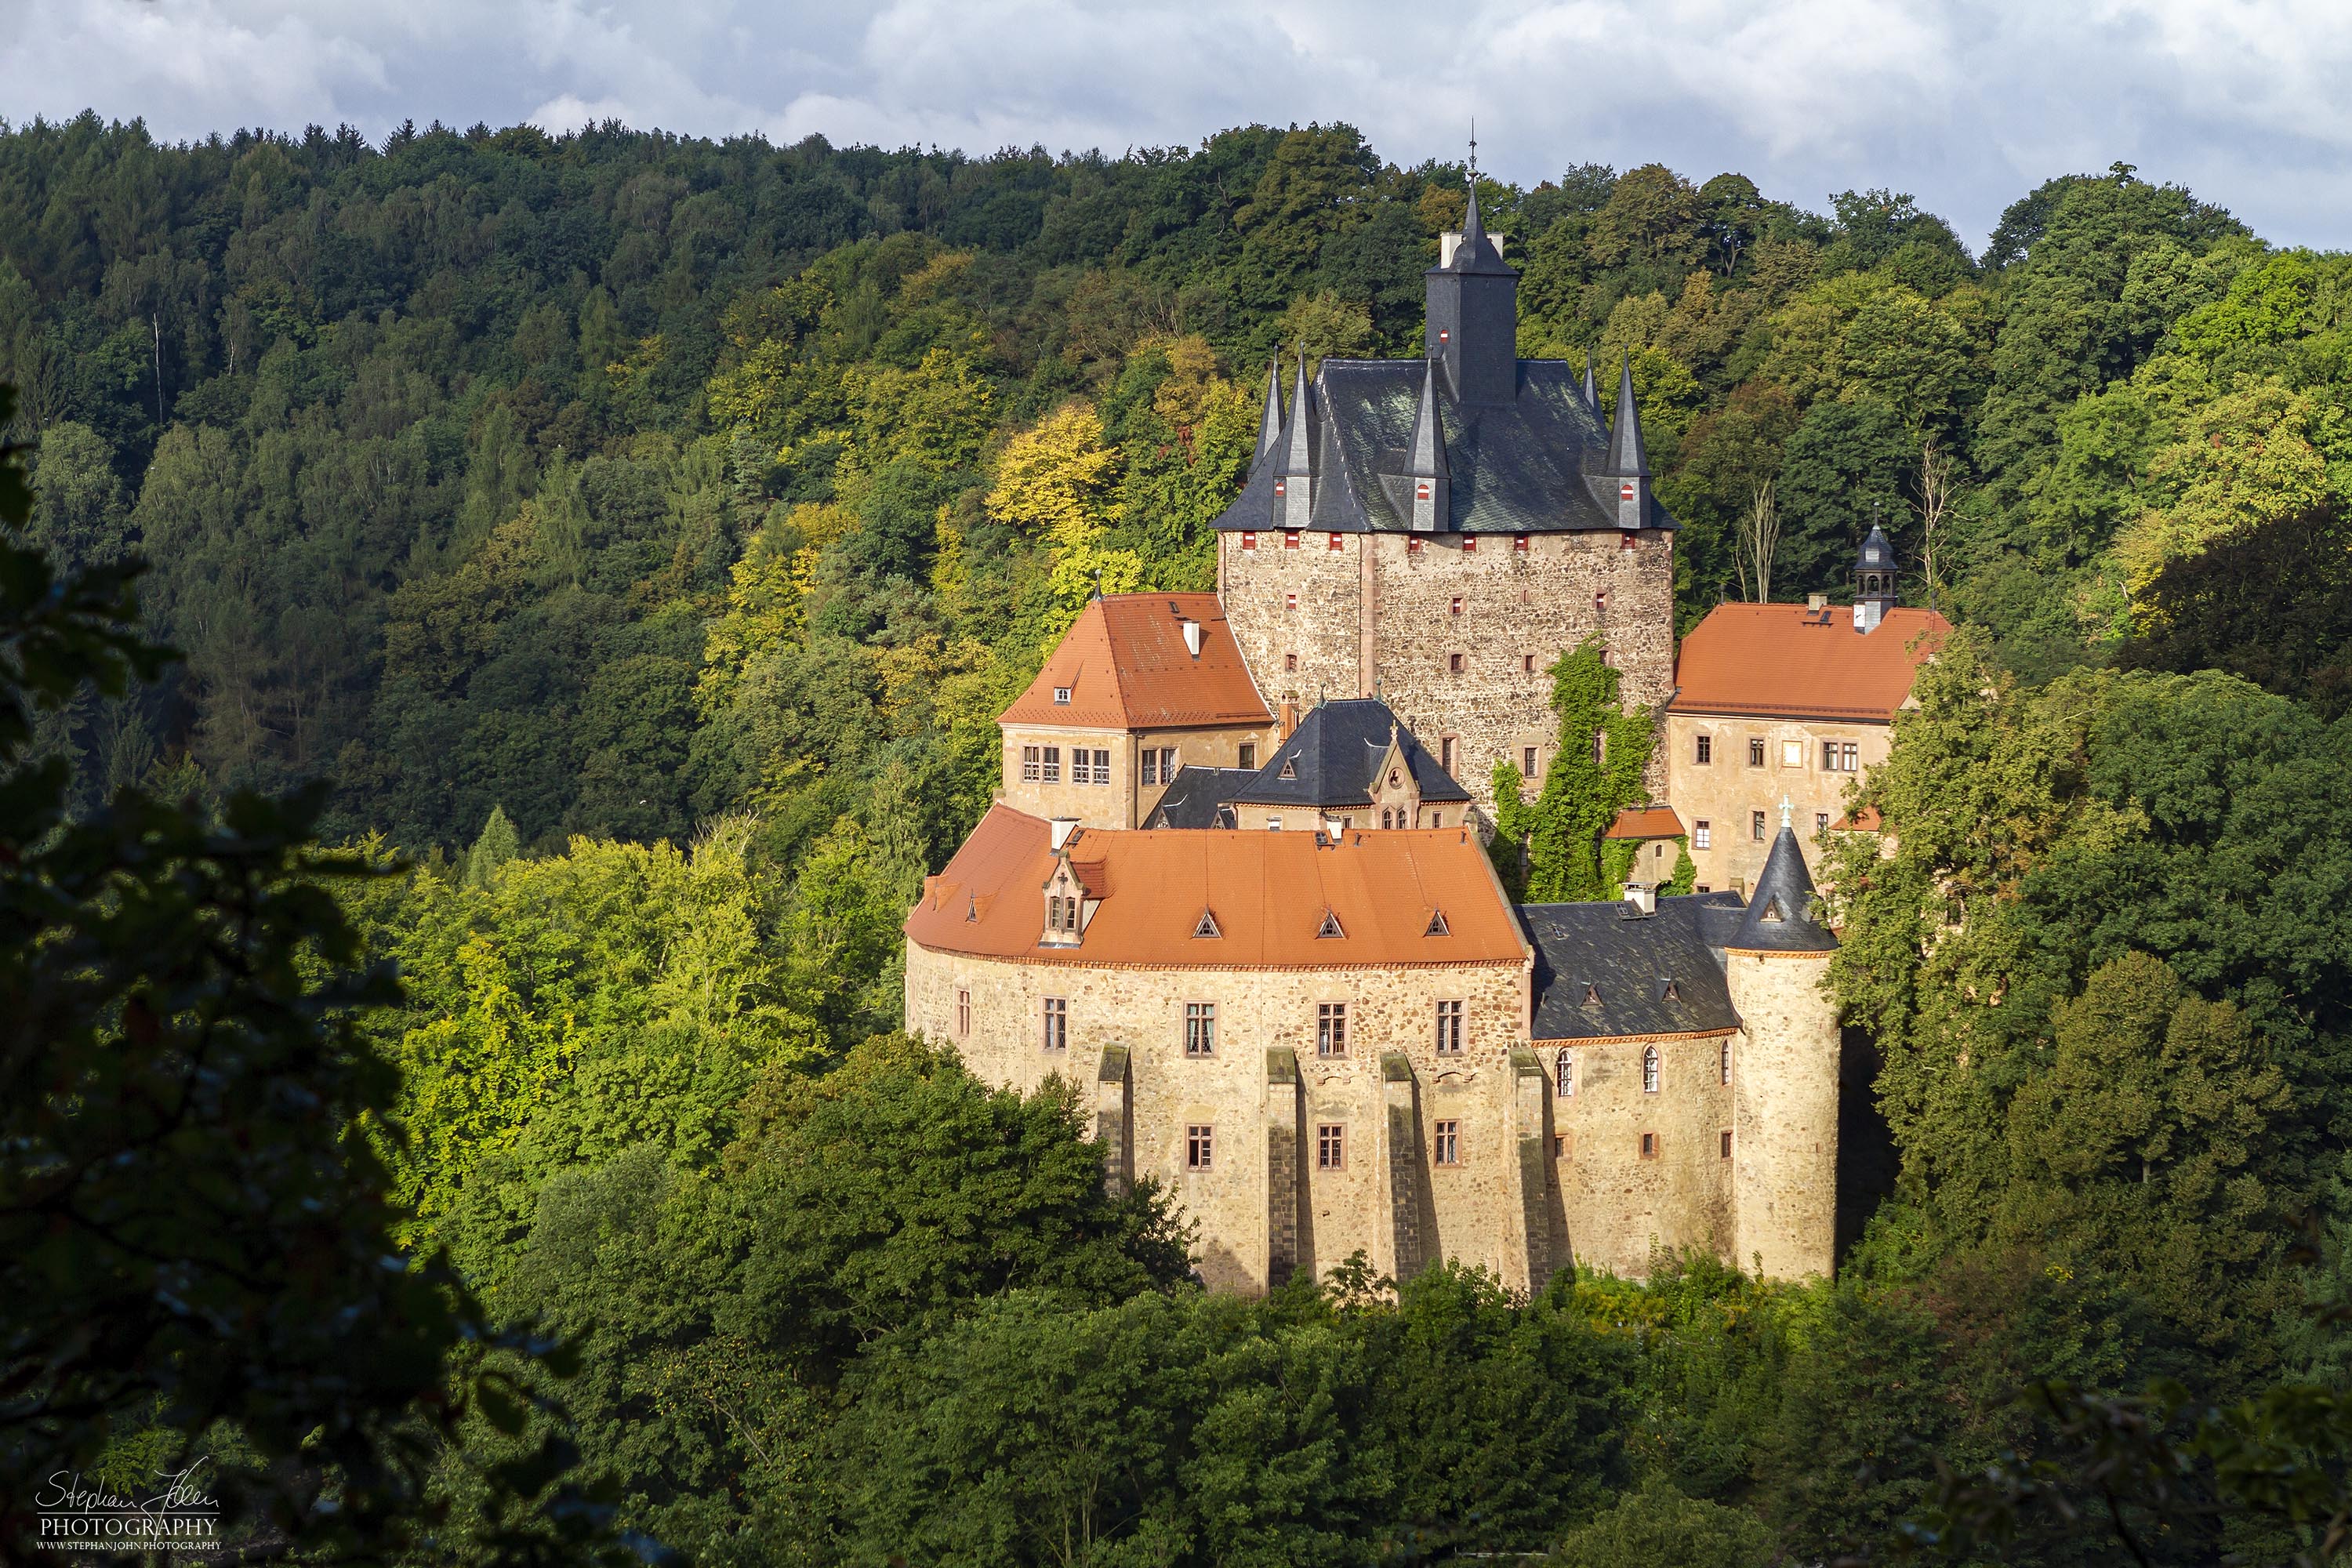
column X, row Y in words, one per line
column 1967, row 104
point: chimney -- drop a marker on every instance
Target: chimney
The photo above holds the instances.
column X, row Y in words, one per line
column 1641, row 899
column 1063, row 827
column 1192, row 637
column 1289, row 719
column 1816, row 603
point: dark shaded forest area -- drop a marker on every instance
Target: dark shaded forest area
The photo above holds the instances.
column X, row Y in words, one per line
column 633, row 539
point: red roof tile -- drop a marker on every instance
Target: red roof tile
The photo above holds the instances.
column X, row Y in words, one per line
column 1127, row 667
column 1785, row 661
column 1645, row 822
column 1268, row 891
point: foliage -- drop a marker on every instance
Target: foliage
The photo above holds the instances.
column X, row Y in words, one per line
column 1552, row 848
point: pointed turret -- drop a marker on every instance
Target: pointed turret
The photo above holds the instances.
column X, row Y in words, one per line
column 1426, row 464
column 1269, row 431
column 1873, row 581
column 1294, row 472
column 1474, row 313
column 1591, row 387
column 1627, row 464
column 1783, row 915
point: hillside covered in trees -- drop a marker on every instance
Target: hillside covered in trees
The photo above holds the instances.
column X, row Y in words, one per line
column 642, row 533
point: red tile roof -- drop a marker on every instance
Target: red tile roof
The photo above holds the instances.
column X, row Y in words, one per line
column 1645, row 822
column 1269, row 892
column 1867, row 820
column 1127, row 667
column 1785, row 661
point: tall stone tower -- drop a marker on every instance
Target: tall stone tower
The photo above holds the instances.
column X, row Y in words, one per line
column 1435, row 531
column 1784, row 1074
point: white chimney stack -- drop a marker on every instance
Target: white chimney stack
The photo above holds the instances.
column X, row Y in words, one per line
column 1192, row 635
column 1643, row 897
column 1063, row 827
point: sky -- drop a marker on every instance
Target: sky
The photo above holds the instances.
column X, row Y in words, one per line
column 1964, row 104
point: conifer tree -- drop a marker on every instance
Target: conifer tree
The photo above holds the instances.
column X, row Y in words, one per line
column 497, row 844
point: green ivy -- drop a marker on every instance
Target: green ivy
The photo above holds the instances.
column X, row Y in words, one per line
column 1551, row 851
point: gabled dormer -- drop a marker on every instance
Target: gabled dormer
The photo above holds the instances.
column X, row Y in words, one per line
column 1396, row 793
column 1071, row 900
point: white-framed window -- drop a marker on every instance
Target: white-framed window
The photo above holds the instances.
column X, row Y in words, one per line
column 1649, row 1070
column 1062, row 695
column 1102, row 767
column 1151, row 766
column 1057, row 1024
column 1330, row 1028
column 1446, row 1143
column 1029, row 761
column 1200, row 1146
column 1703, row 751
column 1200, row 1028
column 1449, row 1029
column 1563, row 1076
column 1702, row 834
column 1053, row 764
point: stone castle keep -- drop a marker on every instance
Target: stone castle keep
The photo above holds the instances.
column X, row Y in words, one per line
column 1235, row 888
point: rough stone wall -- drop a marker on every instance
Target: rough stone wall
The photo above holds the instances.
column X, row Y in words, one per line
column 1726, row 793
column 1125, row 802
column 1378, row 617
column 1785, row 1114
column 1472, row 1210
column 1620, row 1207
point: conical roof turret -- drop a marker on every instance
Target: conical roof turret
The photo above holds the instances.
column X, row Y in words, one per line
column 1626, row 460
column 1298, row 432
column 1269, row 433
column 1877, row 551
column 1592, row 388
column 1783, row 912
column 1426, row 455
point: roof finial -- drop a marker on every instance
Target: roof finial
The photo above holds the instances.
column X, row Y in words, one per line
column 1097, row 581
column 1784, row 811
column 1473, row 150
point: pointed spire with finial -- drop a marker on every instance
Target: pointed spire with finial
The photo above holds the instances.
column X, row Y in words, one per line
column 1293, row 468
column 1269, row 433
column 1426, row 468
column 1591, row 387
column 1626, row 459
column 1097, row 583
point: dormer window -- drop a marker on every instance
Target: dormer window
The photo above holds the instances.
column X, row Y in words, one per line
column 1437, row 926
column 1668, row 990
column 1592, row 994
column 1772, row 910
column 1330, row 926
column 1206, row 926
column 1289, row 768
column 1062, row 695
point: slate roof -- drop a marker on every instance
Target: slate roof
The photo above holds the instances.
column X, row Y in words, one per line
column 1606, row 951
column 1785, row 661
column 1269, row 892
column 1127, row 666
column 1537, row 464
column 1333, row 754
column 1783, row 914
column 1197, row 797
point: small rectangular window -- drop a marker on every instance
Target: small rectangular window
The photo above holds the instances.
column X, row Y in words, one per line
column 1469, row 544
column 1200, row 1146
column 1290, row 663
column 1726, row 1144
column 1249, row 540
column 1167, row 764
column 1563, row 1076
column 1448, row 1143
column 1454, row 663
column 1755, row 753
column 1702, row 887
column 1449, row 1029
column 1724, row 1062
column 1702, row 836
column 1151, row 766
column 1062, row 695
column 1053, row 764
column 1849, row 757
column 1330, row 1028
column 1520, row 543
column 1829, row 756
column 1527, row 760
column 1200, row 1028
column 1649, row 1145
column 1703, row 753
column 1335, row 542
column 1756, row 825
column 1457, row 604
column 1057, row 1024
column 1102, row 767
column 1330, row 1146
column 1248, row 756
column 1821, row 822
column 1559, row 1145
column 1527, row 664
column 1290, row 540
column 1028, row 764
column 1445, row 753
column 1290, row 601
column 963, row 1014
column 1412, row 546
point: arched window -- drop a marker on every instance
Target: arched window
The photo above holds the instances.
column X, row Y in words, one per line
column 1564, row 1075
column 1650, row 1069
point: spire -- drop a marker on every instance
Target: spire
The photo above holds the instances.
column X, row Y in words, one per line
column 1783, row 912
column 1625, row 456
column 1473, row 231
column 1592, row 388
column 1269, row 433
column 1299, row 435
column 1425, row 468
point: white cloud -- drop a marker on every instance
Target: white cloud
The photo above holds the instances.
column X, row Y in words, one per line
column 1965, row 103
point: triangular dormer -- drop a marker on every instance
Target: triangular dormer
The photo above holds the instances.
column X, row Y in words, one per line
column 1206, row 925
column 1330, row 926
column 1592, row 994
column 1437, row 926
column 1668, row 990
column 1772, row 912
column 1289, row 769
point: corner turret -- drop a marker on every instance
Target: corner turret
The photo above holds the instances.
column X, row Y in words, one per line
column 1294, row 471
column 1628, row 465
column 1269, row 430
column 1426, row 464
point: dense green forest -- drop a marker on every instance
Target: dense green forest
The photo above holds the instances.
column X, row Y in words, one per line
column 631, row 539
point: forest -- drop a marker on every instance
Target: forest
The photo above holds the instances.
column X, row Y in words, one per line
column 498, row 626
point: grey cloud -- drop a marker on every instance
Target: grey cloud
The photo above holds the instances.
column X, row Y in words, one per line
column 1965, row 103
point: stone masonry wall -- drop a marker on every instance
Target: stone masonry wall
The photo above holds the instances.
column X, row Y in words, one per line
column 1620, row 1205
column 1726, row 792
column 1379, row 617
column 1470, row 1210
column 1785, row 1115
column 1126, row 801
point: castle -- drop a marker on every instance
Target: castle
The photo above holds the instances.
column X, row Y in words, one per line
column 1235, row 886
